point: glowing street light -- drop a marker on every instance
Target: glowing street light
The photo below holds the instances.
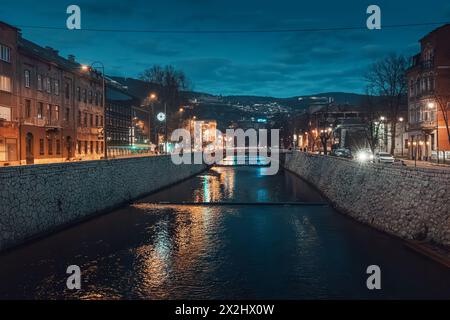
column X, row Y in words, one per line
column 430, row 105
column 382, row 118
column 401, row 119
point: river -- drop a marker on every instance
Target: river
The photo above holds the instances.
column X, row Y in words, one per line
column 239, row 250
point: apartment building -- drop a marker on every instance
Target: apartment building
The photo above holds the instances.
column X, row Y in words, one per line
column 50, row 108
column 9, row 117
column 429, row 97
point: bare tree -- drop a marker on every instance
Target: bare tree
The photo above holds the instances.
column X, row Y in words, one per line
column 372, row 115
column 443, row 102
column 386, row 78
column 325, row 136
column 172, row 85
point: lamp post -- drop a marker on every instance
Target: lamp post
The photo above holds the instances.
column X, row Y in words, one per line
column 432, row 105
column 152, row 97
column 165, row 128
column 401, row 119
column 102, row 67
column 415, row 153
column 382, row 120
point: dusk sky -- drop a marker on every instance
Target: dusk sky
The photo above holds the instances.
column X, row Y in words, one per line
column 275, row 64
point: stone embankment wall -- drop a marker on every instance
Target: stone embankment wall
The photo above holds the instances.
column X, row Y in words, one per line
column 35, row 200
column 413, row 203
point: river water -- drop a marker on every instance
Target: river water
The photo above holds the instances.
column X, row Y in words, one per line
column 234, row 251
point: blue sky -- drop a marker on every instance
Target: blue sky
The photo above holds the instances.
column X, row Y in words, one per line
column 281, row 65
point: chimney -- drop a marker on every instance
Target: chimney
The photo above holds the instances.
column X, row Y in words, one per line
column 71, row 58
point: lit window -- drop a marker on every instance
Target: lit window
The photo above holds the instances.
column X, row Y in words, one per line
column 5, row 84
column 57, row 113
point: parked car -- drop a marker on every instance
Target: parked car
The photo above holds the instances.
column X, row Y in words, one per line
column 342, row 153
column 384, row 157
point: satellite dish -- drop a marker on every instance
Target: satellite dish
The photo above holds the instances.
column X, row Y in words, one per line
column 161, row 116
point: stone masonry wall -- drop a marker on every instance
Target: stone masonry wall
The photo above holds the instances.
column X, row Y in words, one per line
column 413, row 203
column 37, row 199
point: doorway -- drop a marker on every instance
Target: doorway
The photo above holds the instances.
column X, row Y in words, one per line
column 29, row 143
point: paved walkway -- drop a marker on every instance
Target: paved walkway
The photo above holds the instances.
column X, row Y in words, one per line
column 426, row 164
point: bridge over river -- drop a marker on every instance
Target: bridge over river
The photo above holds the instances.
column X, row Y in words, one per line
column 230, row 232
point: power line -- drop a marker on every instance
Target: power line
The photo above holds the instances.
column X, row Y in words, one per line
column 175, row 31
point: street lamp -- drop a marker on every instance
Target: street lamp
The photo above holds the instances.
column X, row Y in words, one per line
column 415, row 153
column 401, row 119
column 152, row 97
column 86, row 68
column 432, row 105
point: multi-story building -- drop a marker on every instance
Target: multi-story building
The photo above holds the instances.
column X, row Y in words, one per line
column 52, row 109
column 9, row 115
column 429, row 97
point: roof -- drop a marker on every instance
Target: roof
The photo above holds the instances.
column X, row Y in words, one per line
column 9, row 26
column 47, row 54
column 439, row 29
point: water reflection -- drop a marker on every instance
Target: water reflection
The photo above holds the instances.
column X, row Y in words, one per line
column 148, row 251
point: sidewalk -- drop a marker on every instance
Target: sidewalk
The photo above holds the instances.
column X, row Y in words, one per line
column 425, row 164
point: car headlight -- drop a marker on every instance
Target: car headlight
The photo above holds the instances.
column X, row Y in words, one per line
column 362, row 156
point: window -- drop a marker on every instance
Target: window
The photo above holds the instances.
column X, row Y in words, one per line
column 96, row 99
column 5, row 113
column 85, row 147
column 39, row 82
column 79, row 147
column 50, row 146
column 41, row 147
column 91, row 120
column 101, row 147
column 57, row 113
column 67, row 90
column 78, row 94
column 5, row 84
column 27, row 78
column 101, row 121
column 49, row 113
column 5, row 53
column 96, row 147
column 57, row 87
column 58, row 146
column 79, row 118
column 85, row 119
column 90, row 96
column 47, row 85
column 91, row 149
column 40, row 111
column 67, row 116
column 96, row 120
column 27, row 108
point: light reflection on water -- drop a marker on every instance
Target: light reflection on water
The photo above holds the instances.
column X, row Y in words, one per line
column 148, row 251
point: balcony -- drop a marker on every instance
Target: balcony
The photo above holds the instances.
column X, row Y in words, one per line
column 417, row 62
column 38, row 122
column 428, row 125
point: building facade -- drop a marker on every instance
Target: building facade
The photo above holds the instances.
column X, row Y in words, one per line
column 51, row 109
column 429, row 98
column 9, row 115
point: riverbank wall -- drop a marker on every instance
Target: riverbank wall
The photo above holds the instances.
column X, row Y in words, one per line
column 412, row 203
column 40, row 199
